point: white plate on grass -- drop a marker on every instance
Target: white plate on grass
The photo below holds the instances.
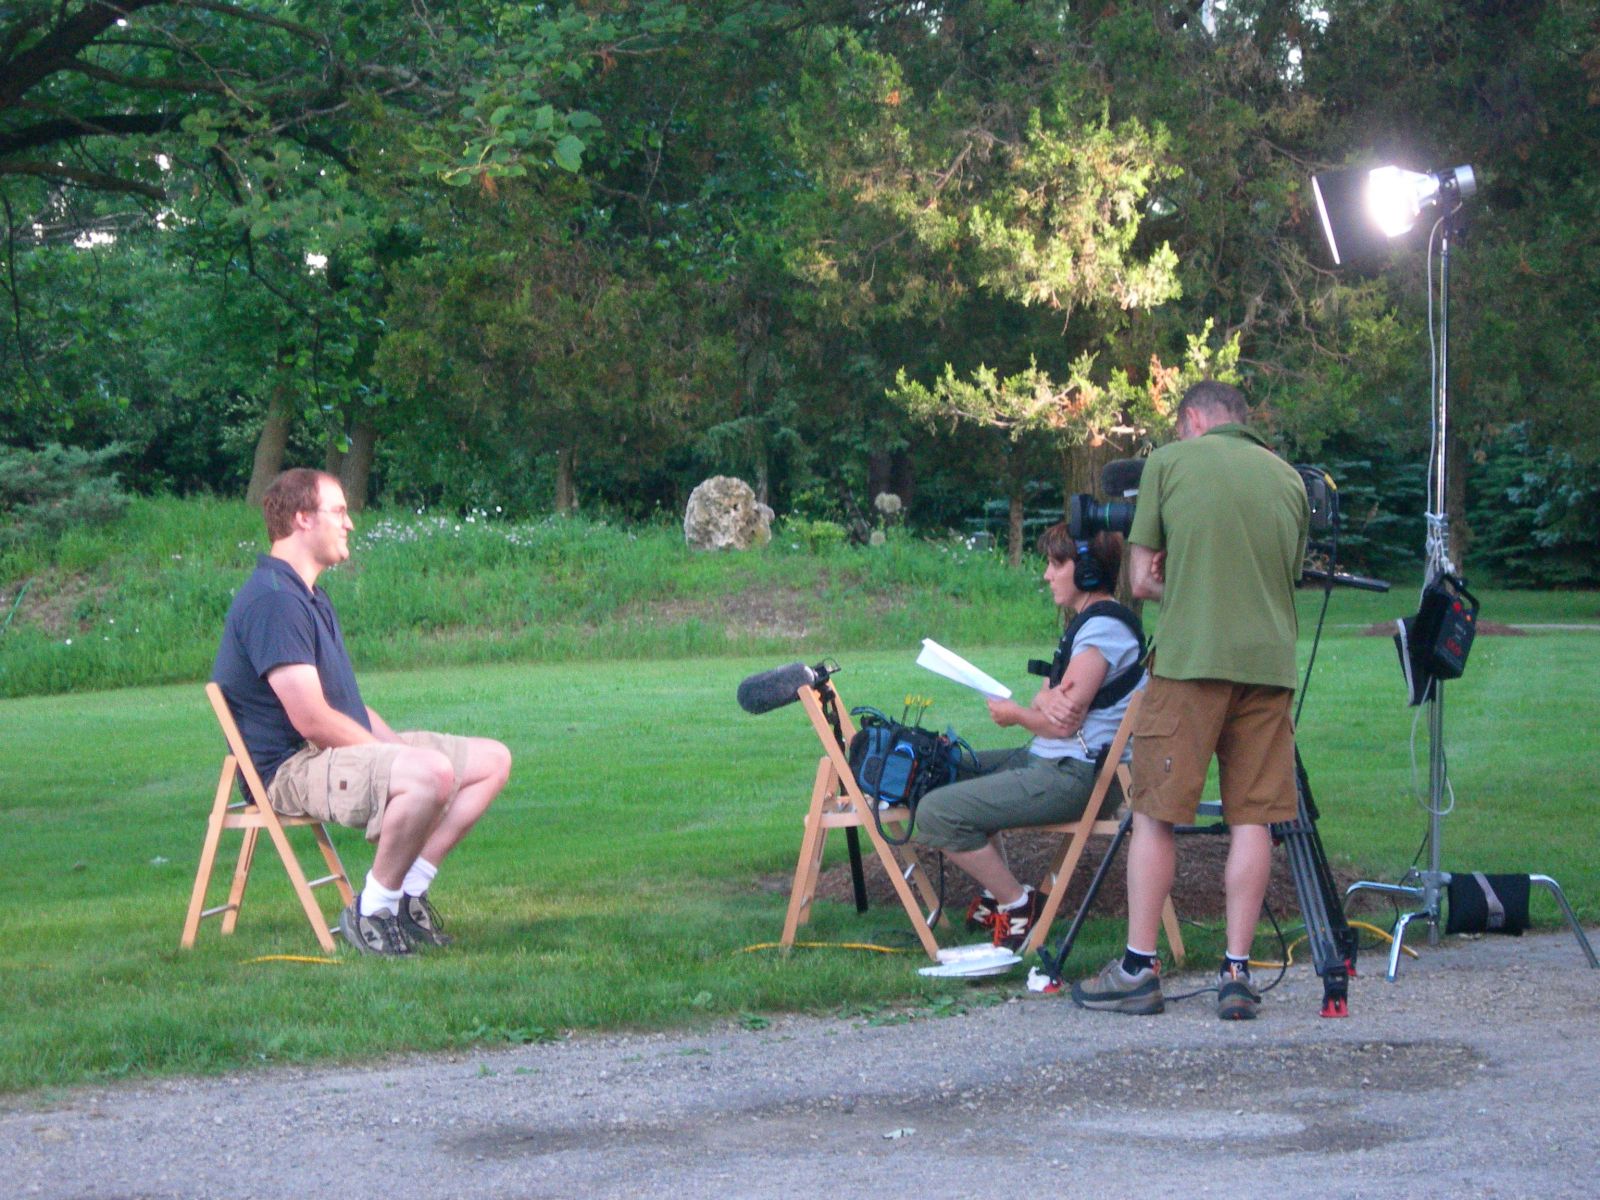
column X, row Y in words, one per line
column 971, row 962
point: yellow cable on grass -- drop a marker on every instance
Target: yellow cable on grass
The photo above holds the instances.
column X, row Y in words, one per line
column 305, row 958
column 828, row 946
column 1289, row 950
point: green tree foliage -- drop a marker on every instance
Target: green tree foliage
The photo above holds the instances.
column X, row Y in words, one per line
column 943, row 250
column 1535, row 512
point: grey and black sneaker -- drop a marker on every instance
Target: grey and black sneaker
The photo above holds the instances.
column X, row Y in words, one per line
column 373, row 933
column 1114, row 990
column 419, row 920
column 1236, row 999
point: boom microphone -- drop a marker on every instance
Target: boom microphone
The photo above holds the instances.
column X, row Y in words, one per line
column 1120, row 477
column 763, row 692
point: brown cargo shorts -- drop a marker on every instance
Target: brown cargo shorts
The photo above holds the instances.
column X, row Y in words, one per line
column 1183, row 722
column 349, row 785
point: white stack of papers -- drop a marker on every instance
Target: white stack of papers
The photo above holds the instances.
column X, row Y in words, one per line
column 952, row 666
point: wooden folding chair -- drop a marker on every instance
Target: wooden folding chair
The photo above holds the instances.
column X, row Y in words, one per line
column 253, row 814
column 837, row 802
column 1076, row 835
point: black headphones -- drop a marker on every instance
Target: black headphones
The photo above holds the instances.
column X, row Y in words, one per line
column 1088, row 573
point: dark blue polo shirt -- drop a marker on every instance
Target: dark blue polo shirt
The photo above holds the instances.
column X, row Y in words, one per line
column 275, row 621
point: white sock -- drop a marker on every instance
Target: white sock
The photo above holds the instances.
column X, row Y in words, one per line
column 376, row 899
column 418, row 877
column 1017, row 903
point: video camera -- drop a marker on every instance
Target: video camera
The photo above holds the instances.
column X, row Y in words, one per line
column 1087, row 516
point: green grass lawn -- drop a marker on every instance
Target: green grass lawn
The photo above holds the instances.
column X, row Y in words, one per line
column 646, row 837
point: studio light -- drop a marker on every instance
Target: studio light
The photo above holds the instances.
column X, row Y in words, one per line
column 1361, row 210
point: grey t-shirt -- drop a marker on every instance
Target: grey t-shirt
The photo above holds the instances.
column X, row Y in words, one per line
column 1120, row 649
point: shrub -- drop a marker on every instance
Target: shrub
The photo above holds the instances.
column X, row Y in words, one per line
column 812, row 535
column 45, row 492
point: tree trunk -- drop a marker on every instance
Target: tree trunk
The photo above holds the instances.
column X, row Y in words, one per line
column 880, row 474
column 763, row 479
column 332, row 456
column 355, row 467
column 566, row 489
column 905, row 479
column 274, row 438
column 1082, row 464
column 1014, row 524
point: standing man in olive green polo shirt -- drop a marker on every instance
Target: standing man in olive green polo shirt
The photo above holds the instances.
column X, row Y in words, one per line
column 1219, row 535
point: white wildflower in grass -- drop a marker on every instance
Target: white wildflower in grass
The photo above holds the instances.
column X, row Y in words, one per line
column 887, row 503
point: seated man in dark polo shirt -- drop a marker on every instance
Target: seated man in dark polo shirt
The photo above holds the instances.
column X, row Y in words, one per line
column 319, row 749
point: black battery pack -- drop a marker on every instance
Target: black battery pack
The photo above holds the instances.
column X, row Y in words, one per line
column 1434, row 644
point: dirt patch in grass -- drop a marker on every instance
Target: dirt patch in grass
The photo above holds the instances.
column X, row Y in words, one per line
column 52, row 602
column 1485, row 629
column 1196, row 892
column 766, row 612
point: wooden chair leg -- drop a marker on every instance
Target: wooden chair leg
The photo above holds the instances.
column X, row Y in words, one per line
column 302, row 887
column 809, row 865
column 912, row 870
column 908, row 900
column 208, row 856
column 341, row 879
column 241, row 877
column 1169, row 921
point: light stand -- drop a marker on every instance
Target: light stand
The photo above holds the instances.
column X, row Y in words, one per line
column 1359, row 209
column 1428, row 887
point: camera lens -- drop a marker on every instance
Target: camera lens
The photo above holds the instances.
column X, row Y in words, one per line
column 1087, row 516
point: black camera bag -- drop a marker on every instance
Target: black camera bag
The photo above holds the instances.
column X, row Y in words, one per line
column 898, row 764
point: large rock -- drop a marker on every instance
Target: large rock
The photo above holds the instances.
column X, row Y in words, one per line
column 723, row 514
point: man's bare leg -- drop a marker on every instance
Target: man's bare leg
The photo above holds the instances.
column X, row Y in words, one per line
column 1152, row 865
column 488, row 767
column 419, row 785
column 1245, row 883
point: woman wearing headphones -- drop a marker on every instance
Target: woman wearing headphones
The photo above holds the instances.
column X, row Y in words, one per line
column 1072, row 718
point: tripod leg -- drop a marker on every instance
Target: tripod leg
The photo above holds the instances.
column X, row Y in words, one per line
column 1333, row 944
column 1053, row 964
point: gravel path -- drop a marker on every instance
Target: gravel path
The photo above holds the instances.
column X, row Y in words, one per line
column 1475, row 1073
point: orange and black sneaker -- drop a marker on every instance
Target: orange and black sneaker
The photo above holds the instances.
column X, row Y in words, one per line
column 1011, row 926
column 980, row 913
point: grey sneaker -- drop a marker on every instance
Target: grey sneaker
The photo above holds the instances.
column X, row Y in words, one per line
column 1114, row 990
column 420, row 922
column 378, row 933
column 1236, row 999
